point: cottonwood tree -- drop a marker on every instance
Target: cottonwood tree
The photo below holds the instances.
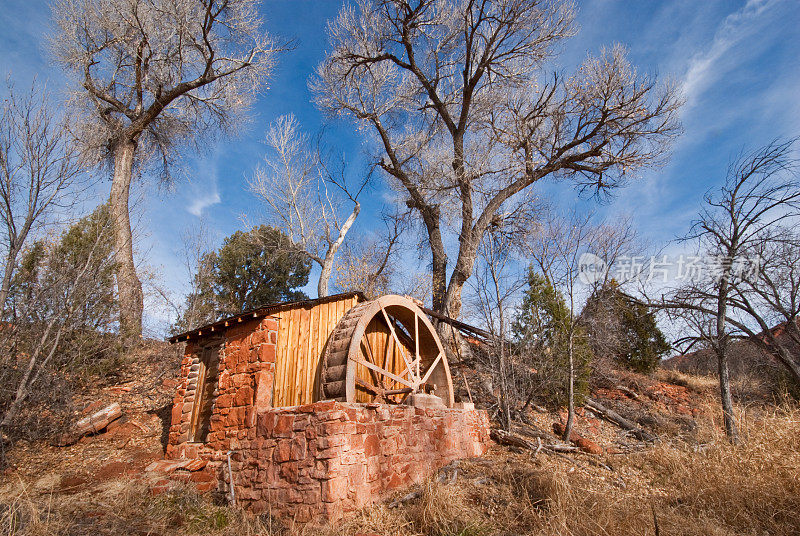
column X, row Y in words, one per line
column 150, row 75
column 304, row 196
column 465, row 116
column 746, row 228
column 39, row 166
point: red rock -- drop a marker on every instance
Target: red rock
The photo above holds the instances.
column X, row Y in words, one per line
column 263, row 395
column 170, row 383
column 202, row 476
column 372, row 445
column 586, row 445
column 267, row 353
column 93, row 407
column 195, row 465
column 204, row 487
column 244, row 396
column 283, row 451
column 283, row 425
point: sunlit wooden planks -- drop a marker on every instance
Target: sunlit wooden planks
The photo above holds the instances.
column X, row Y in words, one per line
column 302, row 334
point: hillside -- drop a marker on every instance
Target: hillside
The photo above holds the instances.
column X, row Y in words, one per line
column 689, row 482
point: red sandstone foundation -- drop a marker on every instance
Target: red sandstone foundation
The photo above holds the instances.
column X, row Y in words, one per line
column 320, row 461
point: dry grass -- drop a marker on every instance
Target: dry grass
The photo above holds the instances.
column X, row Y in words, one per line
column 714, row 488
column 121, row 507
column 693, row 382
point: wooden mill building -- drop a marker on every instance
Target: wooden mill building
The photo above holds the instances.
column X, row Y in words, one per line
column 263, row 387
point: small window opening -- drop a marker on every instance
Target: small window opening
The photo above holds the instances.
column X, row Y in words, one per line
column 206, row 393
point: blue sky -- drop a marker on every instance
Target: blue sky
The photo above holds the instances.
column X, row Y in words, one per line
column 736, row 61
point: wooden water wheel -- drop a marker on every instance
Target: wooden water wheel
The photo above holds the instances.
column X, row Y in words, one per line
column 382, row 351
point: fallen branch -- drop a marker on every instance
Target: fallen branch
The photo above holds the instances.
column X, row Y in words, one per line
column 513, row 440
column 615, row 418
column 630, row 392
column 532, row 431
column 91, row 424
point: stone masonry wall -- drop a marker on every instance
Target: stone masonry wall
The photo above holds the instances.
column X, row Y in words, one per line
column 320, row 461
column 246, row 371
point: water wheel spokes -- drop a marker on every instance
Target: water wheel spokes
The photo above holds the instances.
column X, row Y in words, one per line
column 383, row 351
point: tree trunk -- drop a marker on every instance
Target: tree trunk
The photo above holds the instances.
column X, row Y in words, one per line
column 571, row 393
column 504, row 406
column 330, row 255
column 721, row 349
column 11, row 261
column 465, row 263
column 324, row 277
column 454, row 302
column 727, row 402
column 131, row 298
column 439, row 279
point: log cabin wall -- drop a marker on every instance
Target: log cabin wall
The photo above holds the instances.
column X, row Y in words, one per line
column 302, row 334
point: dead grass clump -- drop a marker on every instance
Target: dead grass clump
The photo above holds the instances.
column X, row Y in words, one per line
column 535, row 488
column 445, row 511
column 751, row 488
column 121, row 508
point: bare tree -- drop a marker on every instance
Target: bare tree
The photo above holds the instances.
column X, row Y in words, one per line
column 39, row 165
column 495, row 287
column 557, row 249
column 151, row 75
column 466, row 117
column 304, row 196
column 743, row 228
column 67, row 288
column 369, row 265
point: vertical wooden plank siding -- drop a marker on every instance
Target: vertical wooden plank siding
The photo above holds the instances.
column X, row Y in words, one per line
column 302, row 334
column 294, row 353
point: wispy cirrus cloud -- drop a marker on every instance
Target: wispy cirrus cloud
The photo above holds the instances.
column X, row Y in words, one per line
column 704, row 67
column 199, row 204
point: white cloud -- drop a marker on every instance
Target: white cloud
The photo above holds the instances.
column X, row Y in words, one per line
column 704, row 67
column 202, row 202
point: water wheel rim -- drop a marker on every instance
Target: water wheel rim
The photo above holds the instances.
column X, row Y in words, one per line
column 378, row 307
